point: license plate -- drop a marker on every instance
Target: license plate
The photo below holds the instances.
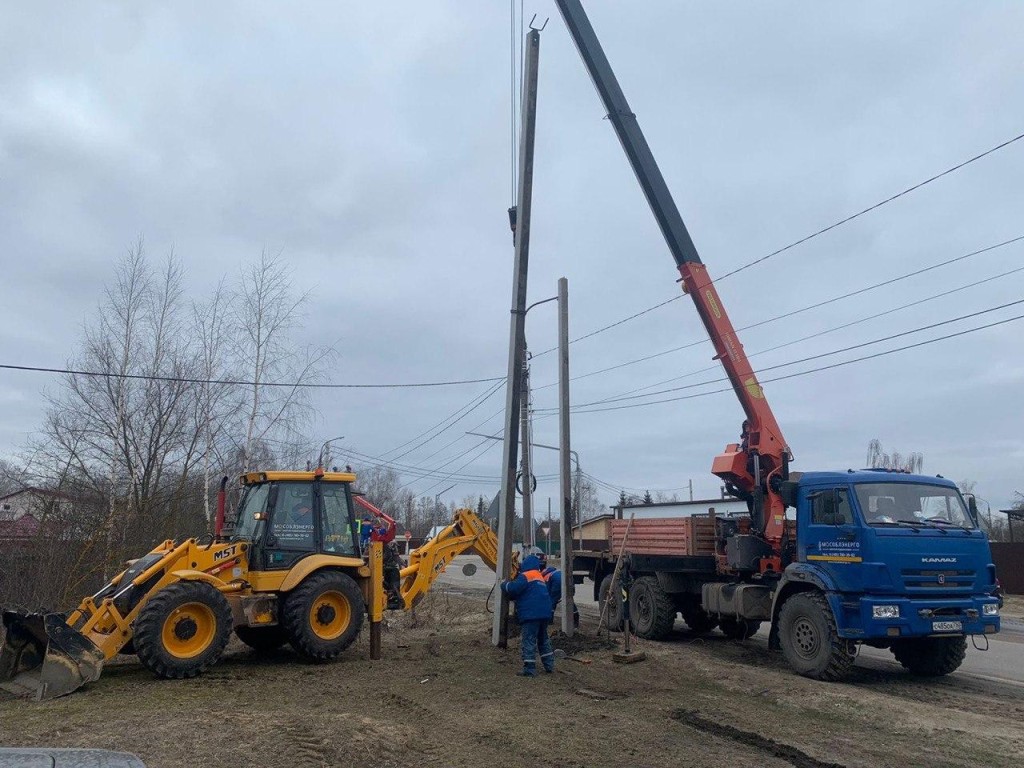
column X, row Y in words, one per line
column 947, row 626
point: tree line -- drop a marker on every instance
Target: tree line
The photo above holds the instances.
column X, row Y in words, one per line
column 140, row 452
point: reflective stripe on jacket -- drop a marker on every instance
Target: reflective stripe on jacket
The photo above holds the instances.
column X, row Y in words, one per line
column 529, row 590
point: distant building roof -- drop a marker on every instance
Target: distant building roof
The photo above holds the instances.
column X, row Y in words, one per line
column 25, row 527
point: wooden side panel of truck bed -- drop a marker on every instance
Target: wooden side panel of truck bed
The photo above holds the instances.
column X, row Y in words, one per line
column 666, row 536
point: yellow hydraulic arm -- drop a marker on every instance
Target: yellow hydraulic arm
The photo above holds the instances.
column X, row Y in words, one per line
column 467, row 533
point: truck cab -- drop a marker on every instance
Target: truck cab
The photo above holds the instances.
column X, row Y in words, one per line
column 899, row 560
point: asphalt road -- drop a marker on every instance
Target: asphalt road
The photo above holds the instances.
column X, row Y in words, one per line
column 1001, row 665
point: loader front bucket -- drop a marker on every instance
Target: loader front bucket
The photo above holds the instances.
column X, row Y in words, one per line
column 43, row 658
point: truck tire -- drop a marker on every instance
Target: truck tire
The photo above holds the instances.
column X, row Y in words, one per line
column 738, row 629
column 262, row 639
column 651, row 611
column 323, row 615
column 930, row 656
column 182, row 629
column 696, row 618
column 613, row 613
column 810, row 640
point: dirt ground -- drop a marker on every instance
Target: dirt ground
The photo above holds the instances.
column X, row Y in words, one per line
column 444, row 696
column 1013, row 607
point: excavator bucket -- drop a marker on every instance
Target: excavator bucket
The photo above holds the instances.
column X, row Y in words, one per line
column 43, row 658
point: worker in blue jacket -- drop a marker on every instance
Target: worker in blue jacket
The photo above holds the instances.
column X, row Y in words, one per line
column 553, row 577
column 529, row 591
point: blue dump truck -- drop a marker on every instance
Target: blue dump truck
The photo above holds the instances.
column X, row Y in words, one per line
column 887, row 559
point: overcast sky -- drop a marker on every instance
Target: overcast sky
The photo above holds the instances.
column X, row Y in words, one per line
column 369, row 144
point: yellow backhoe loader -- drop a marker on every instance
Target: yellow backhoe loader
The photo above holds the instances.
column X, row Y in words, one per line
column 291, row 571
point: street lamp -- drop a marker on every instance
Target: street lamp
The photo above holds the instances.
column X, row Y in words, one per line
column 324, row 447
column 433, row 517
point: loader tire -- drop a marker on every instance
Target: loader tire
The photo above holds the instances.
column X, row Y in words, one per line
column 930, row 656
column 651, row 611
column 613, row 613
column 182, row 630
column 323, row 615
column 696, row 618
column 738, row 629
column 262, row 639
column 810, row 640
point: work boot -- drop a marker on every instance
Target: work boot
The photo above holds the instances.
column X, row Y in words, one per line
column 527, row 672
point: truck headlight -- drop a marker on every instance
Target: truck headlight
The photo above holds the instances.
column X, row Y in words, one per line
column 885, row 611
column 990, row 609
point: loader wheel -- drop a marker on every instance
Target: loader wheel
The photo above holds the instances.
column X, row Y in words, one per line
column 738, row 629
column 182, row 629
column 323, row 615
column 651, row 611
column 262, row 639
column 930, row 656
column 696, row 618
column 613, row 613
column 810, row 640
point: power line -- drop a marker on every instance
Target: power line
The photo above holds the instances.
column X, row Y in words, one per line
column 876, row 206
column 617, row 322
column 487, row 393
column 813, row 235
column 814, row 357
column 801, row 310
column 812, row 370
column 479, row 402
column 818, row 334
column 239, row 382
column 420, row 472
column 487, row 447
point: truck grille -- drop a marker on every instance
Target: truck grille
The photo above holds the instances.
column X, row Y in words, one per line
column 936, row 579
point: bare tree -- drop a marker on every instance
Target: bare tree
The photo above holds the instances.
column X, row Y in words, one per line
column 877, row 458
column 216, row 404
column 265, row 314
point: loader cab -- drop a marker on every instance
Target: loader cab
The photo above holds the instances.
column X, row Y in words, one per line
column 289, row 515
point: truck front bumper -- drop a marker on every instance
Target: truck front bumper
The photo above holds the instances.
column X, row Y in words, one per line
column 890, row 617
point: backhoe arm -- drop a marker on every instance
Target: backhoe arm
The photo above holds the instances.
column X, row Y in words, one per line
column 467, row 533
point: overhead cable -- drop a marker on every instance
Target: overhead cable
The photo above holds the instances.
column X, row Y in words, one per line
column 813, row 235
column 791, row 313
column 812, row 370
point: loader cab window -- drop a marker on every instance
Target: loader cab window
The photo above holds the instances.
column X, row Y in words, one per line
column 293, row 526
column 252, row 512
column 337, row 520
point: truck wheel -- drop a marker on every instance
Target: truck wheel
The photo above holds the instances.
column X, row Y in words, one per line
column 810, row 640
column 262, row 639
column 613, row 613
column 696, row 618
column 738, row 629
column 930, row 656
column 323, row 615
column 651, row 611
column 182, row 629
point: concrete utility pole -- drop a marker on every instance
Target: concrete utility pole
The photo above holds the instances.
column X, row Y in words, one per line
column 568, row 609
column 524, row 423
column 517, row 345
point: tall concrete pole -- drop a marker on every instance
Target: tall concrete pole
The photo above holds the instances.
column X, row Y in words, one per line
column 524, row 423
column 517, row 345
column 565, row 472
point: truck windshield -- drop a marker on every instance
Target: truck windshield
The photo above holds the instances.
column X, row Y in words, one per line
column 254, row 502
column 912, row 504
